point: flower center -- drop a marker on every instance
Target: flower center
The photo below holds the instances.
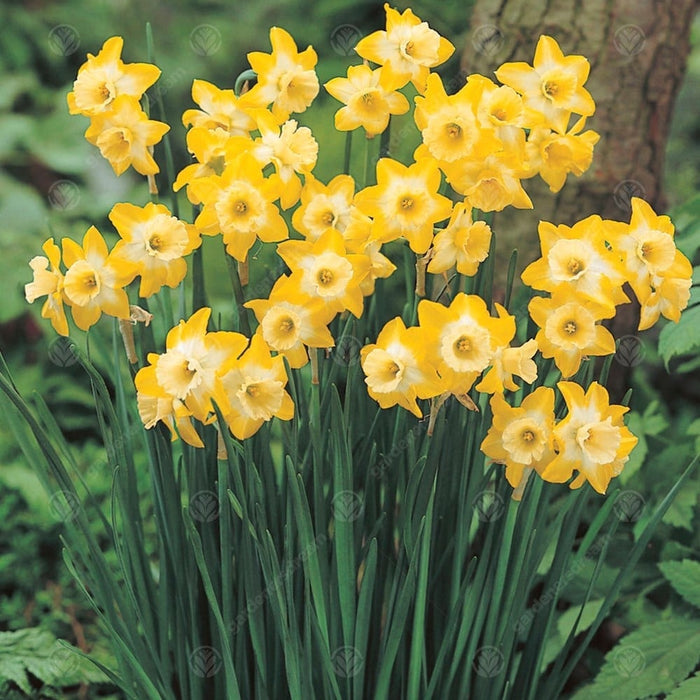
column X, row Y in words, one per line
column 325, row 276
column 528, row 435
column 407, row 203
column 240, row 207
column 252, row 390
column 154, row 244
column 500, row 114
column 327, row 218
column 454, row 131
column 462, row 345
column 574, row 266
column 550, row 89
column 570, row 327
column 286, row 324
column 368, row 98
column 408, row 49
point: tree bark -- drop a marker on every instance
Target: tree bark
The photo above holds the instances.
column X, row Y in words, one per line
column 638, row 51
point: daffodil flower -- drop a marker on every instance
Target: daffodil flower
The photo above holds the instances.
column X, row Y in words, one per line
column 220, row 110
column 48, row 281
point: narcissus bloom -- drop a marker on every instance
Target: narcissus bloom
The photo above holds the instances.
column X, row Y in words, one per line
column 124, row 134
column 220, row 109
column 553, row 85
column 153, row 245
column 94, row 281
column 463, row 338
column 397, row 370
column 367, row 103
column 463, row 242
column 102, row 78
column 507, row 363
column 324, row 206
column 522, row 437
column 577, row 259
column 592, row 439
column 406, row 50
column 325, row 270
column 239, row 205
column 191, row 367
column 569, row 330
column 290, row 322
column 405, row 202
column 254, row 389
column 209, row 148
column 48, row 282
column 286, row 78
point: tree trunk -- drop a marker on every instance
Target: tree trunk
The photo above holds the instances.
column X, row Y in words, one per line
column 638, row 51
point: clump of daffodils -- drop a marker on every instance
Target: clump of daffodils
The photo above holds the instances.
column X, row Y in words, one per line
column 252, row 161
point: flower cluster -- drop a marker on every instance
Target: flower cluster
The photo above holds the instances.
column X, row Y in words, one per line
column 251, row 180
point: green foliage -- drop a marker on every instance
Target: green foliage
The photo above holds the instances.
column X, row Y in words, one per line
column 684, row 576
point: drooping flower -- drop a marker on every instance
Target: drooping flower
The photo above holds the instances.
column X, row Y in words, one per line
column 592, row 439
column 522, row 437
column 405, row 202
column 396, row 368
column 463, row 242
column 220, row 110
column 406, row 50
column 367, row 103
column 48, row 282
column 286, row 78
column 102, row 78
column 507, row 363
column 239, row 205
column 153, row 244
column 570, row 329
column 124, row 135
column 94, row 281
column 553, row 85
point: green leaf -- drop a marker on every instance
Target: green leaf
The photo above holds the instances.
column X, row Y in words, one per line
column 682, row 337
column 687, row 690
column 565, row 625
column 682, row 510
column 684, row 576
column 647, row 662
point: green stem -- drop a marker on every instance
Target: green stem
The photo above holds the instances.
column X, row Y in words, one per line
column 348, row 151
column 239, row 310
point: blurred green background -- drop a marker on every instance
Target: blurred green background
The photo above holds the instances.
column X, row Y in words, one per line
column 52, row 183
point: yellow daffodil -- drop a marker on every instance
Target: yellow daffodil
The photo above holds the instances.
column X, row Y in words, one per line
column 286, row 78
column 592, row 439
column 48, row 281
column 367, row 103
column 396, row 368
column 290, row 148
column 406, row 50
column 554, row 155
column 405, row 202
column 507, row 363
column 463, row 242
column 102, row 78
column 191, row 367
column 153, row 244
column 124, row 135
column 670, row 296
column 522, row 437
column 220, row 110
column 324, row 206
column 94, row 281
column 380, row 267
column 553, row 85
column 254, row 389
column 491, row 184
column 569, row 329
column 577, row 258
column 209, row 149
column 324, row 269
column 239, row 205
column 290, row 322
column 449, row 126
column 463, row 338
